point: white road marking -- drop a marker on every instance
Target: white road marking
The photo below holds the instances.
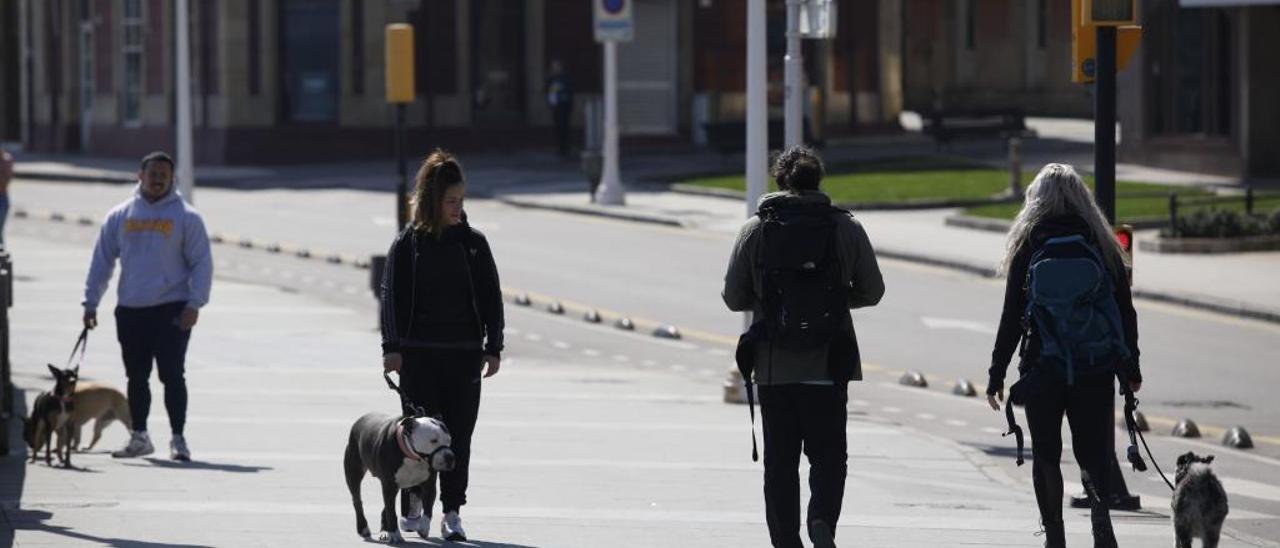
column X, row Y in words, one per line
column 561, row 345
column 860, row 403
column 926, row 416
column 891, row 409
column 591, row 352
column 963, row 325
column 621, row 358
column 678, row 367
column 957, row 422
column 532, row 337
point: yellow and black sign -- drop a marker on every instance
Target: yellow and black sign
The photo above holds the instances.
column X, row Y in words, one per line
column 1109, row 13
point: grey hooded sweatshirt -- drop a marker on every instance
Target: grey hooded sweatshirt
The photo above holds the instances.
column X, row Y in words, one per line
column 742, row 289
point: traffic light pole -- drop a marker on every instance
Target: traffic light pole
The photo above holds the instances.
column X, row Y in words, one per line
column 1104, row 173
column 1104, row 126
column 402, row 208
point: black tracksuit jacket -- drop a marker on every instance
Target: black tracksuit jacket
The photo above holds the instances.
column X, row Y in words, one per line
column 404, row 295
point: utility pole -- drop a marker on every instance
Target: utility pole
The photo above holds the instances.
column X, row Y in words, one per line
column 757, row 150
column 793, row 65
column 614, row 22
column 186, row 163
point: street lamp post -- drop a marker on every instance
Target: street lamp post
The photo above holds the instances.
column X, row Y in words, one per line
column 186, row 164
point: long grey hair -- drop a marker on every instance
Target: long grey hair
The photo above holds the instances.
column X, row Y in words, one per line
column 1059, row 190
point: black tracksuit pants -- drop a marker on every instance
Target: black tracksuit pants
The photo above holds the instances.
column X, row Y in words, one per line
column 1089, row 406
column 812, row 418
column 447, row 382
column 151, row 335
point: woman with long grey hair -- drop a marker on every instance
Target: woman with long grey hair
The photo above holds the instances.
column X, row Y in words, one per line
column 1068, row 365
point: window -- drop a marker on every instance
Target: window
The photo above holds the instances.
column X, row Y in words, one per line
column 131, row 50
column 357, row 48
column 970, row 24
column 255, row 48
column 1042, row 16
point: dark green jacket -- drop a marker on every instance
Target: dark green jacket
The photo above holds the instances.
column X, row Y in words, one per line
column 742, row 289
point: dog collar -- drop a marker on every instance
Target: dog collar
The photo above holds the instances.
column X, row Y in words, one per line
column 402, row 441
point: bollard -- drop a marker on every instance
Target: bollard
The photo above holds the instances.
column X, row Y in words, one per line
column 1186, row 428
column 1238, row 438
column 913, row 379
column 1173, row 213
column 555, row 308
column 1015, row 167
column 6, row 377
column 1248, row 201
column 592, row 316
column 964, row 388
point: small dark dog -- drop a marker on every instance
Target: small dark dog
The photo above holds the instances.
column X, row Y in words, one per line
column 403, row 453
column 1199, row 502
column 51, row 413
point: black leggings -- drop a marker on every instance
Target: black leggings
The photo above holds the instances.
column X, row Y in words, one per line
column 447, row 382
column 1089, row 406
column 151, row 335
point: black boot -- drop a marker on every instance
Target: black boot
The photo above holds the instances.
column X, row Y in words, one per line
column 1054, row 535
column 1103, row 535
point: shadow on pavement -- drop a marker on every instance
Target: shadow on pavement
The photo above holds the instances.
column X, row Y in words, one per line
column 469, row 544
column 13, row 469
column 200, row 465
column 34, row 520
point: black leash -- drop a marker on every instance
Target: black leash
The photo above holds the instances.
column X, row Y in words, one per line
column 82, row 345
column 404, row 400
column 1135, row 457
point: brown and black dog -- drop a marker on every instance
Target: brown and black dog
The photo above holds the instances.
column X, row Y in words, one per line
column 100, row 403
column 51, row 413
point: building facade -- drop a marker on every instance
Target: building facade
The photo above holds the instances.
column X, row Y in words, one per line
column 1203, row 91
column 278, row 81
column 983, row 54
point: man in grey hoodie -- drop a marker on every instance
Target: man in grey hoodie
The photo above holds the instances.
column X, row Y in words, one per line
column 166, row 270
column 803, row 390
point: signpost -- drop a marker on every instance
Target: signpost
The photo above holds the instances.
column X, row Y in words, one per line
column 186, row 175
column 814, row 19
column 614, row 23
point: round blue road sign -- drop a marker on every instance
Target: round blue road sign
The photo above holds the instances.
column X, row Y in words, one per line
column 614, row 6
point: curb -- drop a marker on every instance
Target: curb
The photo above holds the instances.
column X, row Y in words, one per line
column 596, row 211
column 93, row 176
column 694, row 190
column 1209, row 246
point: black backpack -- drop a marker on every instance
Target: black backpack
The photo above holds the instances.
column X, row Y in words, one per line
column 803, row 296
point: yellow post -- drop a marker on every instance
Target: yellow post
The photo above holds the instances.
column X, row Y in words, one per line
column 1109, row 13
column 399, row 57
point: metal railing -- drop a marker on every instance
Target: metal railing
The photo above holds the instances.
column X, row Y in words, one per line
column 1249, row 198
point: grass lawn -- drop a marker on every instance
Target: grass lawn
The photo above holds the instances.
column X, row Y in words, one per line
column 915, row 178
column 895, row 180
column 1133, row 208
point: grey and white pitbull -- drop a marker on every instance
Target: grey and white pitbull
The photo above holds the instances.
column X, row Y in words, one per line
column 403, row 453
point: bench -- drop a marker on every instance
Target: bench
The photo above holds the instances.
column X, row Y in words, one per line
column 947, row 125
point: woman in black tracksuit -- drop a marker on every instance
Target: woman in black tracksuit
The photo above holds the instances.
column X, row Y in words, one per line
column 1059, row 204
column 441, row 323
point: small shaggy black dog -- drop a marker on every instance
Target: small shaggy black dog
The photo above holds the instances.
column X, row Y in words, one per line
column 1199, row 502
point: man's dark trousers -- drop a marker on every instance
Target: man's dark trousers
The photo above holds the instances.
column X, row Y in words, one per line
column 151, row 334
column 811, row 417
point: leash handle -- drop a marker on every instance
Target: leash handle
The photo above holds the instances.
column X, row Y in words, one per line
column 404, row 400
column 82, row 345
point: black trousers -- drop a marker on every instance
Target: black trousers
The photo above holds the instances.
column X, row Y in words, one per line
column 1089, row 406
column 447, row 382
column 812, row 417
column 560, row 114
column 151, row 335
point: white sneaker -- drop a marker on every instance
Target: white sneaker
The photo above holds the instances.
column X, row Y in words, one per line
column 139, row 445
column 451, row 528
column 178, row 449
column 420, row 525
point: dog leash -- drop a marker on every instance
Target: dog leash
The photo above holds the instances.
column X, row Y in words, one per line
column 1135, row 458
column 404, row 400
column 82, row 345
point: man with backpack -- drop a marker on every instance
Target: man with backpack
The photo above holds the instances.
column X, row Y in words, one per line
column 799, row 266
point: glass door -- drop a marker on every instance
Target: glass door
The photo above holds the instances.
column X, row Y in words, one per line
column 497, row 62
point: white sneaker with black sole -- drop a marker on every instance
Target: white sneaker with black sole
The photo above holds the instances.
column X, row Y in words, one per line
column 451, row 528
column 139, row 446
column 178, row 449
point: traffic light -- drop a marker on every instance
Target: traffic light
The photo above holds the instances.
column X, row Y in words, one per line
column 1109, row 13
column 399, row 60
column 1084, row 45
column 1124, row 236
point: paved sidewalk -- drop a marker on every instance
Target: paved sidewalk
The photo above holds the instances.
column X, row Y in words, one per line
column 1239, row 284
column 570, row 452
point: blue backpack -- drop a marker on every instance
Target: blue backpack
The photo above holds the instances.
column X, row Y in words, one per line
column 1071, row 301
